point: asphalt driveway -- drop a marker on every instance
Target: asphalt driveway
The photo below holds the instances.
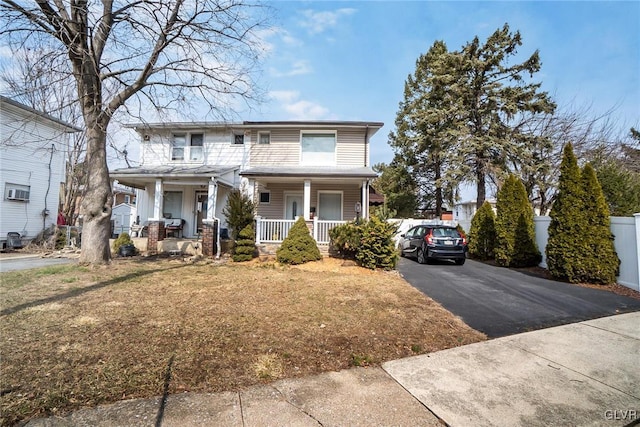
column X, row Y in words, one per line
column 500, row 302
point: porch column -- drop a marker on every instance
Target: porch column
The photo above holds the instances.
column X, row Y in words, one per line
column 210, row 226
column 250, row 190
column 307, row 199
column 156, row 231
column 365, row 199
column 158, row 201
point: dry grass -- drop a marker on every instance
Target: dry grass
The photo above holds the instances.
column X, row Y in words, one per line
column 75, row 336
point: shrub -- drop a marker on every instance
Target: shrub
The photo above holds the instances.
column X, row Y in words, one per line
column 239, row 211
column 515, row 233
column 345, row 239
column 567, row 231
column 123, row 239
column 298, row 247
column 601, row 262
column 245, row 247
column 482, row 234
column 377, row 248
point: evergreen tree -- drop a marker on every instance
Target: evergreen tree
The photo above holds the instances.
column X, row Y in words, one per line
column 601, row 263
column 493, row 93
column 245, row 247
column 423, row 127
column 568, row 228
column 299, row 246
column 620, row 186
column 398, row 187
column 482, row 234
column 239, row 211
column 515, row 233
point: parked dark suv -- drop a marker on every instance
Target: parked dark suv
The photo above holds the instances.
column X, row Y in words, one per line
column 428, row 242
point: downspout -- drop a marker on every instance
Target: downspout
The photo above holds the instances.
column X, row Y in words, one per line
column 366, row 146
column 213, row 216
column 45, row 211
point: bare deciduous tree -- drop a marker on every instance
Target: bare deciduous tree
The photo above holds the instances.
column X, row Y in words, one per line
column 137, row 55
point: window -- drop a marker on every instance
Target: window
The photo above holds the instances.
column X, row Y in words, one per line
column 318, row 149
column 187, row 146
column 127, row 198
column 17, row 192
column 264, row 138
column 330, row 206
column 265, row 197
column 172, row 207
column 238, row 138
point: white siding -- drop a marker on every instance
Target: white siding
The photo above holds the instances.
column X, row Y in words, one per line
column 217, row 148
column 29, row 144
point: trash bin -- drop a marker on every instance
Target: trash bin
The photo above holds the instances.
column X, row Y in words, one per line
column 13, row 240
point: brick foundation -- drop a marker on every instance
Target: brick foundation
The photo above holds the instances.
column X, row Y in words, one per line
column 209, row 235
column 156, row 234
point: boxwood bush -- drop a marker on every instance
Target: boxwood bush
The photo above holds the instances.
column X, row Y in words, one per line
column 245, row 248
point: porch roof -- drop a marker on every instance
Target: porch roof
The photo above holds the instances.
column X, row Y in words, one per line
column 185, row 174
column 309, row 172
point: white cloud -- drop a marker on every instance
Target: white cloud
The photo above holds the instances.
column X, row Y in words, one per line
column 317, row 22
column 299, row 109
column 298, row 68
column 266, row 39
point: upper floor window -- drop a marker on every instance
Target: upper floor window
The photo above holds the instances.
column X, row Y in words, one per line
column 318, row 148
column 127, row 199
column 187, row 146
column 238, row 138
column 264, row 138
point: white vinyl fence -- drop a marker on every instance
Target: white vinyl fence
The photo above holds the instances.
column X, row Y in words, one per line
column 626, row 231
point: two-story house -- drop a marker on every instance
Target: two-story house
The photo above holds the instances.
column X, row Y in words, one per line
column 33, row 149
column 318, row 170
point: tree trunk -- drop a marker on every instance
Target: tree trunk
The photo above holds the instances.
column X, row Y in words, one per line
column 97, row 200
column 480, row 185
column 438, row 189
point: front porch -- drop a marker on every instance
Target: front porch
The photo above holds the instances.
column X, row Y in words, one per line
column 274, row 231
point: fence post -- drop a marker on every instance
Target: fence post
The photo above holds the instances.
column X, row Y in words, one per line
column 315, row 228
column 637, row 217
column 258, row 229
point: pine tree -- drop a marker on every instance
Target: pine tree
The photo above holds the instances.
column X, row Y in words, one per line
column 601, row 261
column 515, row 233
column 299, row 246
column 245, row 247
column 239, row 211
column 482, row 234
column 568, row 228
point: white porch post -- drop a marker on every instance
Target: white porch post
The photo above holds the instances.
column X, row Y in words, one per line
column 212, row 197
column 158, row 201
column 307, row 199
column 251, row 189
column 365, row 199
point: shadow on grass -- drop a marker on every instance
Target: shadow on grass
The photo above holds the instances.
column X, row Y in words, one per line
column 80, row 291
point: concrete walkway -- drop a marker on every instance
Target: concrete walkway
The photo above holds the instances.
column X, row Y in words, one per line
column 584, row 374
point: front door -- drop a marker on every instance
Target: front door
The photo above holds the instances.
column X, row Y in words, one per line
column 201, row 210
column 294, row 206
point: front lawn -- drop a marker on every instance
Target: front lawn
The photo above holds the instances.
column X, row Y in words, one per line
column 76, row 336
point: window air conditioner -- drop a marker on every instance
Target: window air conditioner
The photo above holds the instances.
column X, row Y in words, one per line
column 16, row 194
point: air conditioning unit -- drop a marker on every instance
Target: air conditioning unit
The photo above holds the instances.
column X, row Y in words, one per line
column 16, row 194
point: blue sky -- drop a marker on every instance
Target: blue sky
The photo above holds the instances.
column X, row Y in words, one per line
column 349, row 60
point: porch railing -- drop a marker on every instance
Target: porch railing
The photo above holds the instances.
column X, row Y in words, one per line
column 276, row 230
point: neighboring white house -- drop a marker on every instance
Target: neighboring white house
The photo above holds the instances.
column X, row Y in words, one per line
column 317, row 170
column 463, row 212
column 32, row 164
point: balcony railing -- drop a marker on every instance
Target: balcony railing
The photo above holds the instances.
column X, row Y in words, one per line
column 276, row 230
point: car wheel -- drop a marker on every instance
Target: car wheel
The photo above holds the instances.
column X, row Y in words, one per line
column 460, row 261
column 421, row 258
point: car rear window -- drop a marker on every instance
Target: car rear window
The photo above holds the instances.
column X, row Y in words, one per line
column 445, row 232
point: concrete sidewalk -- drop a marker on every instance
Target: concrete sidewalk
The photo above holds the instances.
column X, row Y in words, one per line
column 584, row 374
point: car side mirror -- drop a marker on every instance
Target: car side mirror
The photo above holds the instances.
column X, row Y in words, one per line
column 402, row 235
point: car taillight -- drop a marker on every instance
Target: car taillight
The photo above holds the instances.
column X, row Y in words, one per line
column 464, row 240
column 428, row 238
